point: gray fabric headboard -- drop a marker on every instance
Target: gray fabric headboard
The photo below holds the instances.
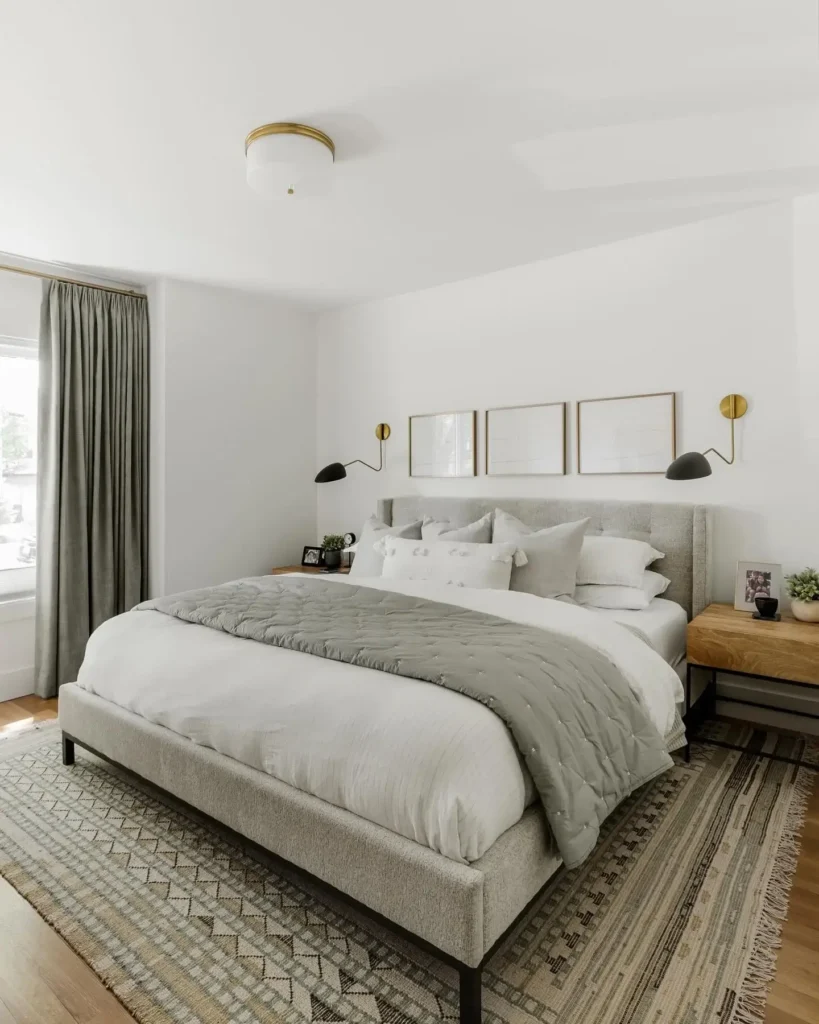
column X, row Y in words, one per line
column 683, row 532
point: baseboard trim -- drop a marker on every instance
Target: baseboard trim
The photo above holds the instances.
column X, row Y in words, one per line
column 18, row 682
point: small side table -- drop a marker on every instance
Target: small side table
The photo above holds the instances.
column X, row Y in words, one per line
column 311, row 570
column 722, row 639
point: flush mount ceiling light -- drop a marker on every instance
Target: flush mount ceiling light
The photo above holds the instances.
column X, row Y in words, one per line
column 286, row 160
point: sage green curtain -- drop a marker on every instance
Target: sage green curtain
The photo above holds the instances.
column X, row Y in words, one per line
column 92, row 472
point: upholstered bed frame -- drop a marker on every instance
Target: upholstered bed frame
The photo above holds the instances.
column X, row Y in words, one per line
column 461, row 912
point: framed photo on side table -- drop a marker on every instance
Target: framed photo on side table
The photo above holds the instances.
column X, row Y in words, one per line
column 311, row 556
column 756, row 579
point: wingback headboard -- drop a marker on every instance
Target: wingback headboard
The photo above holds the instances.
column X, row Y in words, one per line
column 683, row 532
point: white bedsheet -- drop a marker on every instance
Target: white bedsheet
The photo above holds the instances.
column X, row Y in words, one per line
column 421, row 760
column 662, row 625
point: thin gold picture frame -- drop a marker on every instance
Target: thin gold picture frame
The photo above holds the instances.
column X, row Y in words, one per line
column 533, row 405
column 620, row 398
column 430, row 415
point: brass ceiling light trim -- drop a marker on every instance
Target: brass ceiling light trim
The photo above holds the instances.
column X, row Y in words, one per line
column 290, row 128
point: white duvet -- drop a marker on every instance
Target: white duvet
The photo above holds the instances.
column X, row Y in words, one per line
column 421, row 760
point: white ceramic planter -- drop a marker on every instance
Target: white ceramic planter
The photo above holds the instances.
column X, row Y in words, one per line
column 806, row 611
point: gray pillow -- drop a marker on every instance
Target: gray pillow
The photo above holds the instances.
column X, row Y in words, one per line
column 367, row 561
column 479, row 532
column 553, row 555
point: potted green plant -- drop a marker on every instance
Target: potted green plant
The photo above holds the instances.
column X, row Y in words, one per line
column 332, row 546
column 803, row 590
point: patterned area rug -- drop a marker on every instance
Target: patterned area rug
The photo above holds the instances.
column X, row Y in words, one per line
column 675, row 918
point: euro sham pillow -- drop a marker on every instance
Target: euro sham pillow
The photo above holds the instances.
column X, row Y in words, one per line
column 595, row 595
column 368, row 561
column 459, row 563
column 552, row 555
column 479, row 532
column 614, row 561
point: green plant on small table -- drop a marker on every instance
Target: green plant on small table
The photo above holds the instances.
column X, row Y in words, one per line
column 332, row 545
column 803, row 590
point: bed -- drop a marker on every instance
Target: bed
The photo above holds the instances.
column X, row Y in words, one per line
column 458, row 894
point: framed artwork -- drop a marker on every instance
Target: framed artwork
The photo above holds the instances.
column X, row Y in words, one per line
column 442, row 444
column 633, row 434
column 526, row 440
column 756, row 579
column 311, row 556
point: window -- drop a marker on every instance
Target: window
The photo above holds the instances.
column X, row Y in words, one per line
column 18, row 465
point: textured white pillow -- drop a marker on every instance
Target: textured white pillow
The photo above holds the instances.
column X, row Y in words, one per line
column 485, row 566
column 367, row 561
column 614, row 561
column 595, row 595
column 551, row 553
column 479, row 532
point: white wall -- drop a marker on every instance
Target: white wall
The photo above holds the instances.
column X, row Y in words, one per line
column 233, row 431
column 19, row 318
column 702, row 310
column 806, row 304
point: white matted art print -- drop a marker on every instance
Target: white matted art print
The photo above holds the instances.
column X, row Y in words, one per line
column 756, row 579
column 634, row 434
column 442, row 444
column 526, row 440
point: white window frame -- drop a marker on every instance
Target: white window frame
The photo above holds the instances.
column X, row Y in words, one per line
column 18, row 583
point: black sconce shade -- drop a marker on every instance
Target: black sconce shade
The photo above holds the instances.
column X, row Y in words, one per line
column 690, row 466
column 335, row 471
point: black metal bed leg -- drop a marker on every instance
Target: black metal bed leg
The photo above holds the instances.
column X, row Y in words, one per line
column 68, row 750
column 470, row 994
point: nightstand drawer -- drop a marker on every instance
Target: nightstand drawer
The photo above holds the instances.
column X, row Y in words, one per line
column 723, row 638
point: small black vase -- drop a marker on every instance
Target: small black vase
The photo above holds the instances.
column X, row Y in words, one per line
column 766, row 607
column 332, row 560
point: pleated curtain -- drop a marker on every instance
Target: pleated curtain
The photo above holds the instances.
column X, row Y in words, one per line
column 92, row 472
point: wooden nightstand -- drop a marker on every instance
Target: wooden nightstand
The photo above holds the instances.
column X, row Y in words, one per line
column 725, row 640
column 312, row 570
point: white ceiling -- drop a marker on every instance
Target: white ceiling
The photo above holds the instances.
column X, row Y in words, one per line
column 471, row 135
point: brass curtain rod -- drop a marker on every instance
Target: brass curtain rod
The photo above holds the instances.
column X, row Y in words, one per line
column 71, row 280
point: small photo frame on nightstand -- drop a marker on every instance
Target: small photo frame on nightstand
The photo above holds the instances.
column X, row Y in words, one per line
column 756, row 579
column 312, row 556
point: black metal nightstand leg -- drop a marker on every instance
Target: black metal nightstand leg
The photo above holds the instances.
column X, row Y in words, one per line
column 687, row 713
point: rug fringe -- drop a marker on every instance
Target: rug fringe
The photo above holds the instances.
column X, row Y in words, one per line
column 752, row 998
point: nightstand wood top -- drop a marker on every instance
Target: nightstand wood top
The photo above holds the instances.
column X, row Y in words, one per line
column 311, row 570
column 723, row 638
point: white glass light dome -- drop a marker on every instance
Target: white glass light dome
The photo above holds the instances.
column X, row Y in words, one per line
column 289, row 161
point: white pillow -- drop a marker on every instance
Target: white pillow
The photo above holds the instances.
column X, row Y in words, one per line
column 614, row 561
column 485, row 566
column 551, row 553
column 479, row 532
column 367, row 561
column 595, row 595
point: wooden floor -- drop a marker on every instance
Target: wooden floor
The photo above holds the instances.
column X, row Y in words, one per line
column 43, row 982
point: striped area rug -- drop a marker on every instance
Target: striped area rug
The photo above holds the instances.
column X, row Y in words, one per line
column 675, row 918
